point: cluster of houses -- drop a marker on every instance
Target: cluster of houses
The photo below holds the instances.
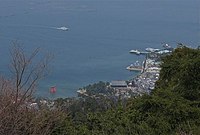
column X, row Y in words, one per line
column 144, row 82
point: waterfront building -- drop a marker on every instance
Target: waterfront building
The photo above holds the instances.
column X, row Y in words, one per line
column 118, row 84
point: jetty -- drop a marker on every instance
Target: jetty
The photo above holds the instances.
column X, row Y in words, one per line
column 137, row 52
column 135, row 67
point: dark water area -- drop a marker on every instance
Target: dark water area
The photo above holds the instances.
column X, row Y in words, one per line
column 100, row 35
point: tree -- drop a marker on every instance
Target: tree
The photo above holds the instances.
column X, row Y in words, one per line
column 16, row 114
column 173, row 107
column 26, row 72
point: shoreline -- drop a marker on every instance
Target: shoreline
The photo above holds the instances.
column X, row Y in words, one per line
column 140, row 84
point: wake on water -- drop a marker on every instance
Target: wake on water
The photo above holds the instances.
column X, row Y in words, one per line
column 63, row 28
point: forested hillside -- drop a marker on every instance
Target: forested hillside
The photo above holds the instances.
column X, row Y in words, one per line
column 173, row 107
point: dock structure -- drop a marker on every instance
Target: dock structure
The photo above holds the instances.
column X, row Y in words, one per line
column 150, row 69
column 130, row 68
column 138, row 52
column 143, row 83
column 135, row 67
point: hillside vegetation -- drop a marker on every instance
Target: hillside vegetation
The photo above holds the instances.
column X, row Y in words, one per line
column 173, row 107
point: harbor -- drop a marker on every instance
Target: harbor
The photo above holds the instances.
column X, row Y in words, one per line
column 148, row 73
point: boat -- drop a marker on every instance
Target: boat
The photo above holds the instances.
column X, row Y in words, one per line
column 63, row 28
column 164, row 51
column 167, row 46
column 135, row 51
column 152, row 50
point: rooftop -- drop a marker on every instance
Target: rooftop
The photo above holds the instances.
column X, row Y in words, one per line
column 118, row 84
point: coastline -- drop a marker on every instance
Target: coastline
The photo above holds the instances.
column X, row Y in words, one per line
column 139, row 85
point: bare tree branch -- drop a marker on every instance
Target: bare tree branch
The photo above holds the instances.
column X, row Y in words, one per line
column 26, row 71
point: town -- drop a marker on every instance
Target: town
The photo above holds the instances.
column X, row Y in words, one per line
column 143, row 83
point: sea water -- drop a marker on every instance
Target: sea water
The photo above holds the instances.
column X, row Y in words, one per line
column 101, row 33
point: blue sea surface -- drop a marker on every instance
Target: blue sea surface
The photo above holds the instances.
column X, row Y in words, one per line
column 101, row 33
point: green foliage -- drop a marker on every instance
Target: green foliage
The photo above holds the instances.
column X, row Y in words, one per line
column 100, row 87
column 172, row 108
column 181, row 73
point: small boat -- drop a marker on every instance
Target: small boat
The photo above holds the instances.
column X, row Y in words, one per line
column 167, row 46
column 135, row 51
column 63, row 28
column 152, row 50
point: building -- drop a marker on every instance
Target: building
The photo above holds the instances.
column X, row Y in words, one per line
column 118, row 84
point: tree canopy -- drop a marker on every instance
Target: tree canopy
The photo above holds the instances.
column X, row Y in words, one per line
column 173, row 107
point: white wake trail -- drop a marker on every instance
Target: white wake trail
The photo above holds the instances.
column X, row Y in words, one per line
column 63, row 28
